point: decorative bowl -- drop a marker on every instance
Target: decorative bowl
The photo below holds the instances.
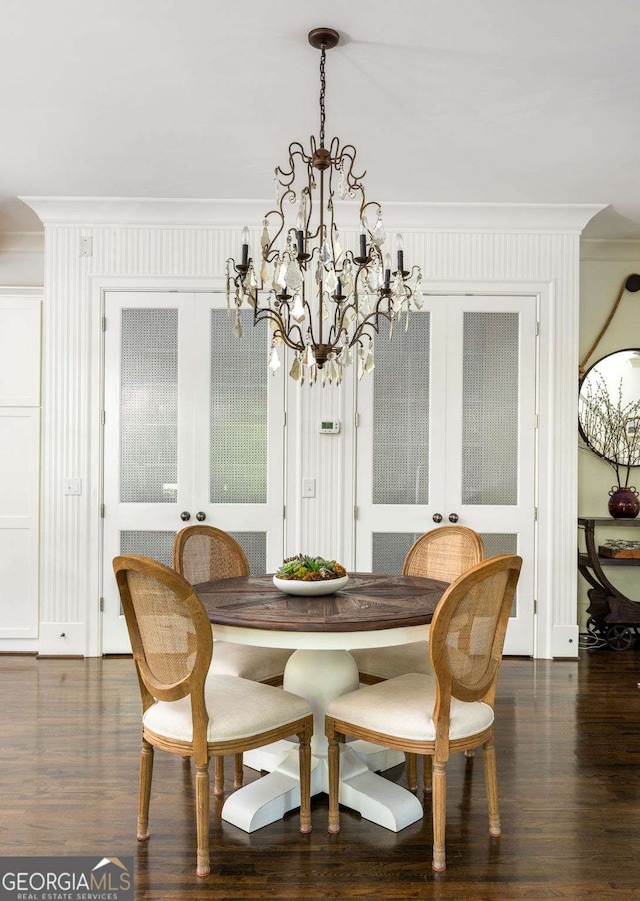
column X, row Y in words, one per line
column 310, row 589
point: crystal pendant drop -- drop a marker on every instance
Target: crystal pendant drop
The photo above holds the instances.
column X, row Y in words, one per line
column 277, row 188
column 368, row 363
column 346, row 277
column 251, row 281
column 237, row 328
column 378, row 234
column 343, row 188
column 296, row 369
column 274, row 360
column 418, row 297
column 374, row 278
column 265, row 240
column 360, row 363
column 333, row 372
column 331, row 280
column 345, row 356
column 293, row 276
column 337, row 246
column 281, row 282
column 298, row 311
column 325, row 252
column 308, row 358
column 265, row 272
column 275, row 284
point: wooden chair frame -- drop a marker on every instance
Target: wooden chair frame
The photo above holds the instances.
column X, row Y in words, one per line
column 448, row 686
column 241, row 568
column 193, row 685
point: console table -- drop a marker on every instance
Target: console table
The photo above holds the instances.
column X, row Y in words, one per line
column 613, row 617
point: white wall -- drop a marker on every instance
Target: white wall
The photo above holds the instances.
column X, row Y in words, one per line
column 22, row 259
column 604, row 266
column 149, row 244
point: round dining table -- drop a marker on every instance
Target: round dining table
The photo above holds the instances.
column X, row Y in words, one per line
column 372, row 610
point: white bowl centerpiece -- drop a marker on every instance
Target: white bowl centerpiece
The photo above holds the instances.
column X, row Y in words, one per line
column 306, row 575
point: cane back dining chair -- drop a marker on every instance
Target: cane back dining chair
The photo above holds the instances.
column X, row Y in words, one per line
column 186, row 709
column 448, row 711
column 203, row 553
column 443, row 553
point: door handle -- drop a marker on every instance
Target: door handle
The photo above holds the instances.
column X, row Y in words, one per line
column 437, row 517
column 185, row 516
column 453, row 517
column 201, row 516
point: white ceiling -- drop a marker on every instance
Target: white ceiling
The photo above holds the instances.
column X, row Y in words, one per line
column 521, row 101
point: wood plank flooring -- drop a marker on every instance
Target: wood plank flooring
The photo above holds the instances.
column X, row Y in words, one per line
column 568, row 743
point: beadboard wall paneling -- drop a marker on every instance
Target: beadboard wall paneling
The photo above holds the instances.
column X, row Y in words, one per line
column 181, row 256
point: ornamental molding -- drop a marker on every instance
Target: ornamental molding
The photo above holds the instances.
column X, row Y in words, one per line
column 552, row 218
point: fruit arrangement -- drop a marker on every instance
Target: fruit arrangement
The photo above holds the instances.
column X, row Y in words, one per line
column 303, row 568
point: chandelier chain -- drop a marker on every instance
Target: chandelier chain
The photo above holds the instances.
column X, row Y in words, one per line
column 323, row 90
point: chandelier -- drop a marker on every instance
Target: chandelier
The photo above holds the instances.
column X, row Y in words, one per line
column 323, row 302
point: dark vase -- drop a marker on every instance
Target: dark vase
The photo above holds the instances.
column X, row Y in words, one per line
column 624, row 503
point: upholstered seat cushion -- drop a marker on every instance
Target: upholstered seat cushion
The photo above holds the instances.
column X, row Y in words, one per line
column 237, row 708
column 247, row 662
column 403, row 707
column 387, row 663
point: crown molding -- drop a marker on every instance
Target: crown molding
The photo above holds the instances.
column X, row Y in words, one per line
column 564, row 218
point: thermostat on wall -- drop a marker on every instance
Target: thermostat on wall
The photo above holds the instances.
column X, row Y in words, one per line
column 329, row 427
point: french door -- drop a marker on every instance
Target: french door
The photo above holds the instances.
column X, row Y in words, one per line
column 447, row 424
column 193, row 432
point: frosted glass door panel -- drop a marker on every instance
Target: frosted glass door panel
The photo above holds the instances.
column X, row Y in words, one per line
column 401, row 414
column 501, row 543
column 389, row 550
column 490, row 408
column 159, row 546
column 149, row 406
column 450, row 415
column 238, row 412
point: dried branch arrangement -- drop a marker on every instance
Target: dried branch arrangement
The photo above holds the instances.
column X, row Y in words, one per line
column 611, row 427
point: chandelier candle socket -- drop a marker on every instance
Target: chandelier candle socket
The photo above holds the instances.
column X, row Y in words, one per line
column 321, row 301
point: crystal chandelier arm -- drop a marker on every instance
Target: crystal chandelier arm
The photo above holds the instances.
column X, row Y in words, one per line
column 284, row 331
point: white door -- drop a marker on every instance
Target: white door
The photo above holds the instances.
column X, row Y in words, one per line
column 19, row 466
column 447, row 433
column 193, row 432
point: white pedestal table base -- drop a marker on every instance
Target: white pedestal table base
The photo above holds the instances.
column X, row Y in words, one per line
column 320, row 676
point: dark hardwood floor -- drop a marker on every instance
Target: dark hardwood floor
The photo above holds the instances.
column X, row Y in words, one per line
column 568, row 741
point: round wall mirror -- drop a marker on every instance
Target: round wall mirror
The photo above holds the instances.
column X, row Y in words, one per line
column 609, row 407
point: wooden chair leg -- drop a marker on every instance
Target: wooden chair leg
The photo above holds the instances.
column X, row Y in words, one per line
column 439, row 815
column 203, row 867
column 412, row 771
column 238, row 773
column 218, row 776
column 334, row 777
column 305, row 780
column 491, row 782
column 428, row 770
column 146, row 772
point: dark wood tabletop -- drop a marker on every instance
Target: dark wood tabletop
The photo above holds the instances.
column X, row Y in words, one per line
column 369, row 602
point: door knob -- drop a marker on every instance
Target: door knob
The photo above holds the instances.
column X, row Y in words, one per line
column 437, row 517
column 185, row 516
column 453, row 517
column 201, row 516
